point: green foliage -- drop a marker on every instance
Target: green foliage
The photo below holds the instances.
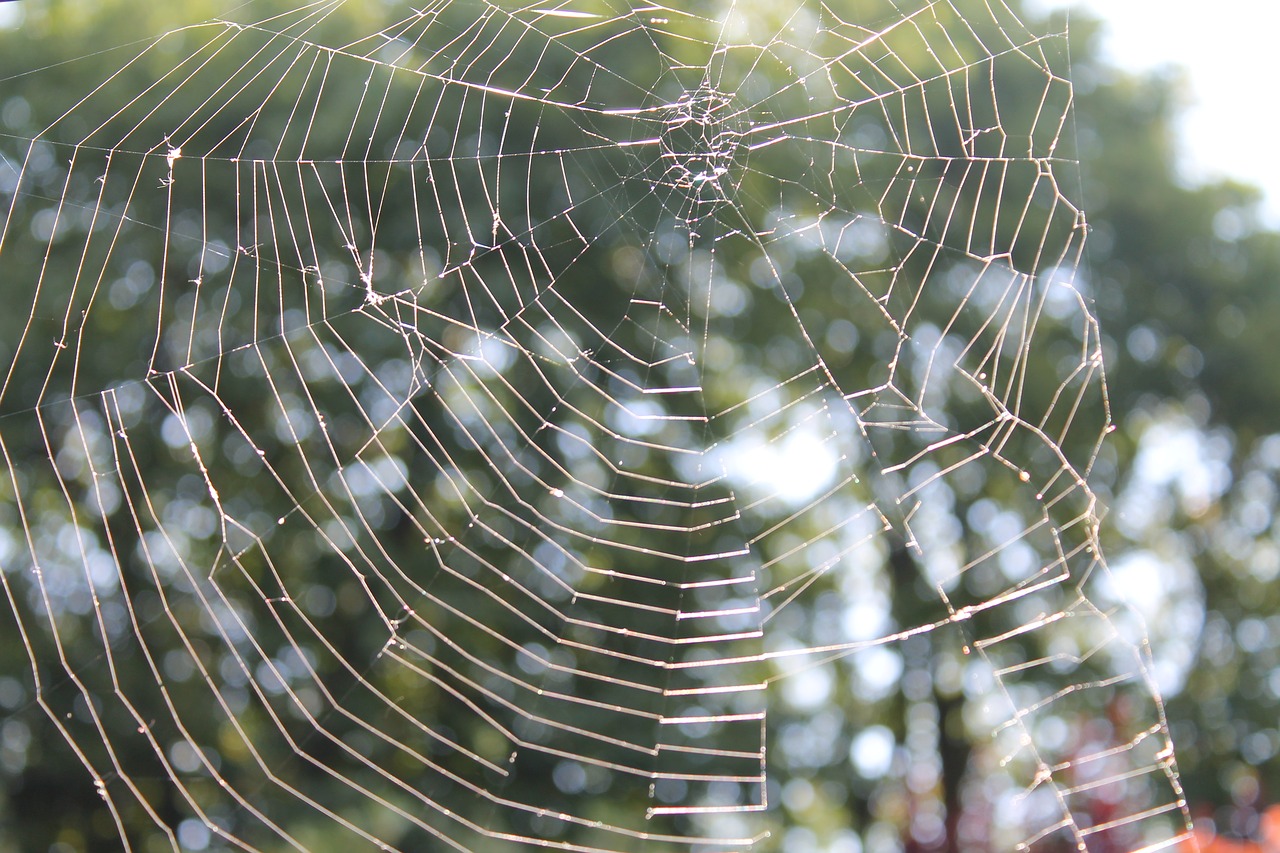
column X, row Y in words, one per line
column 243, row 618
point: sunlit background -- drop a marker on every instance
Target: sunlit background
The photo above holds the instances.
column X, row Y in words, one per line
column 1227, row 61
column 1182, row 464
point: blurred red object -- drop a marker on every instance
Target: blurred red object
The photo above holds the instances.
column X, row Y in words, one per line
column 1267, row 840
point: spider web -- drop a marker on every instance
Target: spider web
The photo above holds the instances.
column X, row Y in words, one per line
column 462, row 432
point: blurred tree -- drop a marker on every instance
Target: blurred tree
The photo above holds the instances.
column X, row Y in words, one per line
column 1184, row 279
column 895, row 747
